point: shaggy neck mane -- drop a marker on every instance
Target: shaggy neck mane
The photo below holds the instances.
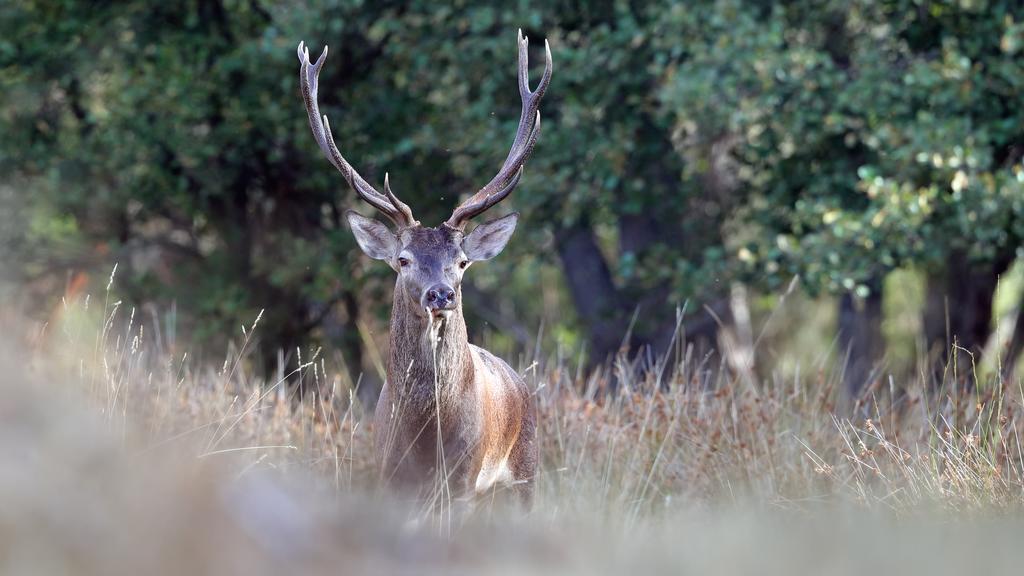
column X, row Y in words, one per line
column 422, row 349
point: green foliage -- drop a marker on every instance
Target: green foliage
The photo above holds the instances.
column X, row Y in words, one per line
column 696, row 144
column 867, row 135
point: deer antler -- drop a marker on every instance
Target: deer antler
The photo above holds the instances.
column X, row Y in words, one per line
column 526, row 137
column 398, row 211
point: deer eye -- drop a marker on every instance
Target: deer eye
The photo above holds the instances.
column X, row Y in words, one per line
column 403, row 262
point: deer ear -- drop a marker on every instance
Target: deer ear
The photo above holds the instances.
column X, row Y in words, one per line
column 488, row 239
column 376, row 239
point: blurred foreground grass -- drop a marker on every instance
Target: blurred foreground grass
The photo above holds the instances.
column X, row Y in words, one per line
column 118, row 458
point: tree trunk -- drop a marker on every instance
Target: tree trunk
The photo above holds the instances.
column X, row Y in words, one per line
column 339, row 323
column 958, row 312
column 860, row 337
column 606, row 311
column 593, row 292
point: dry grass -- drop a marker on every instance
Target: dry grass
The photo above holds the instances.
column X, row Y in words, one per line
column 117, row 458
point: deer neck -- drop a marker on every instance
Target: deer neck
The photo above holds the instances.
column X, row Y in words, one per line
column 429, row 358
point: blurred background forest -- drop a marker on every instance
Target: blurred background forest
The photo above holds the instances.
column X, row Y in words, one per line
column 815, row 180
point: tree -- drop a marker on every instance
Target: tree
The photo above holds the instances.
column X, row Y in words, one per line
column 684, row 148
column 172, row 137
column 869, row 135
column 167, row 138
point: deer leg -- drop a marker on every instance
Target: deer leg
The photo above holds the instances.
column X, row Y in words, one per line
column 522, row 460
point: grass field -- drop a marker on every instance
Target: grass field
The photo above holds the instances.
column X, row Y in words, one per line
column 117, row 457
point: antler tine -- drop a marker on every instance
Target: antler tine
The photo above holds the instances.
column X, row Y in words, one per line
column 526, row 95
column 401, row 206
column 500, row 194
column 526, row 137
column 389, row 205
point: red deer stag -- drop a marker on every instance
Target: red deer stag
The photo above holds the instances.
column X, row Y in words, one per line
column 449, row 410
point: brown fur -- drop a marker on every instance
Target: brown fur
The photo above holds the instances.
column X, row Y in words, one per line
column 481, row 407
column 446, row 406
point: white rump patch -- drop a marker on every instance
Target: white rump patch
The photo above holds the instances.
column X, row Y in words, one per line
column 490, row 476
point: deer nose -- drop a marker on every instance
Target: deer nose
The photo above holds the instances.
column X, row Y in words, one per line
column 439, row 297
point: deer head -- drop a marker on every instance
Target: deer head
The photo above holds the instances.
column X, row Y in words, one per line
column 430, row 262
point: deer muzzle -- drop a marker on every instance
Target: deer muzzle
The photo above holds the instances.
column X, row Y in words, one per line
column 439, row 298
